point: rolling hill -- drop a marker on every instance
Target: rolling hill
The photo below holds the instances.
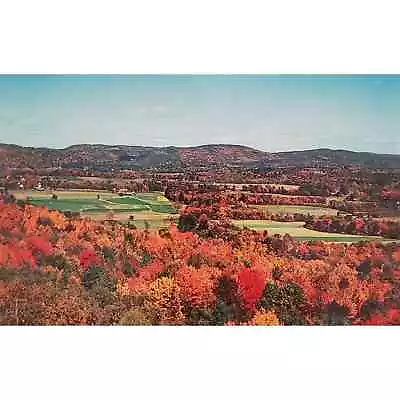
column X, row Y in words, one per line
column 167, row 158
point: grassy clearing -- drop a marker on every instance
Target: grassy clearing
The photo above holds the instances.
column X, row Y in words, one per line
column 153, row 205
column 152, row 196
column 296, row 230
column 127, row 200
column 89, row 203
column 62, row 194
column 141, row 220
column 151, row 224
column 75, row 205
column 292, row 209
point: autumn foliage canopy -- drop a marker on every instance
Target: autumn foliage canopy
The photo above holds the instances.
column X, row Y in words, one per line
column 59, row 270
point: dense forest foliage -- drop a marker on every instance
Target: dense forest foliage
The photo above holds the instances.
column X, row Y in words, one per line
column 59, row 270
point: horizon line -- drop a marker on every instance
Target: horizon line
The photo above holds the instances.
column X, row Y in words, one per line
column 194, row 146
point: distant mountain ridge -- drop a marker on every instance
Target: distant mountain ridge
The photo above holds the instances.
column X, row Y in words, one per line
column 171, row 157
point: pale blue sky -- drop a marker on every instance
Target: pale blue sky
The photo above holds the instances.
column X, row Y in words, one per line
column 271, row 113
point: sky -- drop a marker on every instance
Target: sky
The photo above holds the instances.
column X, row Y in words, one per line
column 270, row 112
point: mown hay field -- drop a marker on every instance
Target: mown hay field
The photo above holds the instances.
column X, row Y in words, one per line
column 294, row 209
column 297, row 231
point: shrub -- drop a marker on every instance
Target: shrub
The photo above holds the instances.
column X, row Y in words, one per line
column 223, row 313
column 263, row 317
column 108, row 253
column 96, row 275
column 58, row 261
column 201, row 316
column 287, row 301
column 137, row 316
column 228, row 306
column 251, row 285
column 146, row 259
column 335, row 314
column 45, row 221
column 370, row 308
column 187, row 222
column 364, row 269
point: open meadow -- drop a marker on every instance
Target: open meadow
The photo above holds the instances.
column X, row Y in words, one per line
column 150, row 210
column 296, row 209
column 298, row 232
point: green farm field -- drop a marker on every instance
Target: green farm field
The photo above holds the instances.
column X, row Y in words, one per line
column 297, row 231
column 151, row 207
